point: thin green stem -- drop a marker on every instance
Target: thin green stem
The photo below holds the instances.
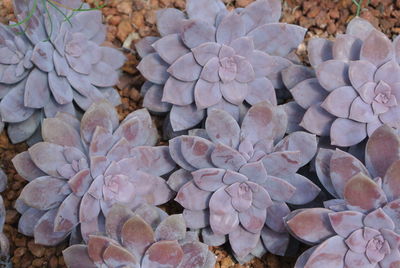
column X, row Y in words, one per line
column 59, row 10
column 359, row 5
column 30, row 14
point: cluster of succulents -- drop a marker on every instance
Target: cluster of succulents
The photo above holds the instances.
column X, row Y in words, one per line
column 214, row 58
column 240, row 165
column 145, row 237
column 47, row 63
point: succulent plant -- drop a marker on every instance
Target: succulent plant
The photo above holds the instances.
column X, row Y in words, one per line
column 211, row 58
column 361, row 227
column 355, row 88
column 83, row 168
column 4, row 242
column 147, row 237
column 236, row 180
column 52, row 62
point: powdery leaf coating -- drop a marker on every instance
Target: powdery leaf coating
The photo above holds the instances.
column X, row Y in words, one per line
column 235, row 179
column 361, row 228
column 211, row 56
column 148, row 238
column 355, row 88
column 83, row 168
column 53, row 63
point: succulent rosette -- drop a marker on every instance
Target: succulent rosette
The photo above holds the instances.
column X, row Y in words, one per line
column 146, row 237
column 215, row 58
column 48, row 63
column 235, row 180
column 83, row 168
column 361, row 227
column 355, row 88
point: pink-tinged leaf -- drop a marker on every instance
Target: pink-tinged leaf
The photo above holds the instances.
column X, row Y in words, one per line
column 166, row 254
column 279, row 189
column 101, row 142
column 306, row 190
column 193, row 198
column 101, row 114
column 267, row 38
column 333, row 74
column 44, row 193
column 207, row 94
column 391, row 259
column 276, row 243
column 171, row 228
column 52, row 108
column 319, row 51
column 205, row 52
column 48, row 157
column 255, row 171
column 357, row 241
column 261, row 198
column 261, row 89
column 132, row 131
column 308, row 92
column 295, row 114
column 80, row 183
column 253, row 219
column 241, row 195
column 264, row 122
column 363, row 194
column 197, row 151
column 339, row 101
column 153, row 68
column 346, row 222
column 177, row 92
column 89, row 209
column 282, row 163
column 151, row 214
column 12, row 107
column 209, row 179
column 243, row 46
column 59, row 132
column 196, row 219
column 231, row 27
column 275, row 216
column 361, row 111
column 153, row 100
column 115, row 256
column 231, row 177
column 197, row 32
column 330, row 253
column 383, row 149
column 242, row 241
column 342, row 167
column 37, row 91
column 176, row 153
column 177, row 179
column 377, row 48
column 185, row 117
column 346, row 47
column 77, row 256
column 223, row 217
column 169, row 21
column 196, row 255
column 225, row 157
column 60, row 88
column 170, row 48
column 234, row 91
column 44, row 230
column 137, row 235
column 341, row 129
column 361, row 72
column 261, row 12
column 317, row 120
column 391, row 185
column 211, row 71
column 28, row 220
column 378, row 219
column 144, row 48
column 42, row 56
column 67, row 214
column 311, row 225
column 103, row 75
column 12, row 74
column 205, row 10
column 234, row 110
column 212, row 239
column 96, row 247
column 115, row 219
column 359, row 27
column 25, row 166
column 295, row 74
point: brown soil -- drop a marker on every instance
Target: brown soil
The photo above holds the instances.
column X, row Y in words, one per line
column 130, row 20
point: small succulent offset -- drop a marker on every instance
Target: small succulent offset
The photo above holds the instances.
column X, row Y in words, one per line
column 236, row 180
column 356, row 88
column 83, row 168
column 50, row 62
column 361, row 228
column 212, row 58
column 145, row 238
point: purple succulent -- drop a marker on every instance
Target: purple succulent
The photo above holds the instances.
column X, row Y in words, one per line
column 53, row 63
column 4, row 242
column 147, row 237
column 236, row 180
column 361, row 227
column 211, row 58
column 83, row 168
column 356, row 88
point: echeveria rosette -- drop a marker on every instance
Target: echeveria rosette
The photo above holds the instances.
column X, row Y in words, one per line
column 146, row 237
column 53, row 64
column 236, row 180
column 83, row 168
column 361, row 227
column 355, row 88
column 212, row 58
